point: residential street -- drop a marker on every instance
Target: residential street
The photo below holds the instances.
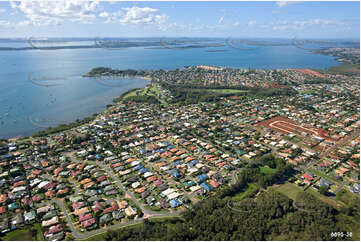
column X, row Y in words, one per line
column 147, row 213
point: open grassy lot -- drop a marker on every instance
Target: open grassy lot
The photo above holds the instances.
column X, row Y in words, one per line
column 156, row 209
column 348, row 198
column 150, row 90
column 170, row 220
column 345, row 68
column 324, row 175
column 227, row 91
column 250, row 189
column 325, row 199
column 267, row 170
column 39, row 232
column 351, row 201
column 130, row 94
column 220, row 91
column 165, row 219
column 18, row 235
column 289, row 189
column 101, row 236
column 310, row 91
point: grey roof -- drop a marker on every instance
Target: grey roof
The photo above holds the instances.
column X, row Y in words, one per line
column 105, row 218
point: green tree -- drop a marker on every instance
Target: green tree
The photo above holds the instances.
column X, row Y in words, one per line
column 323, row 190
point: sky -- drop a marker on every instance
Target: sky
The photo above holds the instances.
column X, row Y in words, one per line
column 75, row 18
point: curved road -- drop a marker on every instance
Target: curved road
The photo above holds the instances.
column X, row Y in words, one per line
column 147, row 213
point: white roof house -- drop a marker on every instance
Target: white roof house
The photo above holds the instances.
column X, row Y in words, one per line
column 168, row 191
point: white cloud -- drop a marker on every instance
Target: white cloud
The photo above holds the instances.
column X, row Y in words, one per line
column 40, row 13
column 251, row 22
column 7, row 24
column 284, row 3
column 136, row 15
column 221, row 20
column 104, row 15
column 296, row 25
column 2, row 10
column 110, row 17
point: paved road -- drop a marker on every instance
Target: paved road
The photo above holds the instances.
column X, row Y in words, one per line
column 131, row 195
column 84, row 235
column 234, row 176
column 341, row 142
column 147, row 213
column 341, row 186
column 120, row 185
column 75, row 233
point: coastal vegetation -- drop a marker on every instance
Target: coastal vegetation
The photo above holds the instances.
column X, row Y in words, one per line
column 63, row 127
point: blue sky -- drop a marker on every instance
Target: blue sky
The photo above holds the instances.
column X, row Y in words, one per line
column 180, row 19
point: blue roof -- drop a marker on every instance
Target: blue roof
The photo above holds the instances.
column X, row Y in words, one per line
column 160, row 150
column 175, row 174
column 202, row 177
column 323, row 180
column 170, row 146
column 138, row 167
column 206, row 187
column 182, row 141
column 6, row 156
column 143, row 170
column 147, row 140
column 176, row 163
column 194, row 162
column 324, row 184
column 175, row 203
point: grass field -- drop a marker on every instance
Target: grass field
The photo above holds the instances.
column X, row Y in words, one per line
column 345, row 68
column 101, row 236
column 348, row 198
column 227, row 91
column 156, row 209
column 220, row 91
column 250, row 188
column 151, row 90
column 311, row 91
column 322, row 174
column 39, row 232
column 290, row 190
column 296, row 139
column 18, row 235
column 164, row 220
column 267, row 170
column 325, row 199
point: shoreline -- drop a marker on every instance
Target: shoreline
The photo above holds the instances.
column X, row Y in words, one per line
column 80, row 120
column 121, row 96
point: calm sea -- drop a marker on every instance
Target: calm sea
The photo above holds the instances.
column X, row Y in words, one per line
column 41, row 88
